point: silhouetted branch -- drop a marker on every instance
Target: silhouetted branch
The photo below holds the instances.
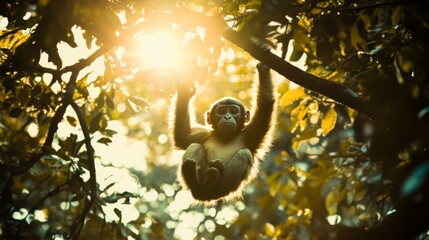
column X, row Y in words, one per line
column 378, row 4
column 333, row 90
column 59, row 113
column 79, row 222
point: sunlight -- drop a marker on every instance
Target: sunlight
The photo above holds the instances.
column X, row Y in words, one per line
column 160, row 50
column 3, row 23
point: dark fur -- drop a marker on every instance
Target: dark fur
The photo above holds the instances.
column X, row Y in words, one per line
column 216, row 179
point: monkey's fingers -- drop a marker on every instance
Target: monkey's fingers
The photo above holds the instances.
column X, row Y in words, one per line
column 262, row 67
column 217, row 164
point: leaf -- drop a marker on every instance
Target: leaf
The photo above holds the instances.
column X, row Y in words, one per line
column 95, row 123
column 302, row 137
column 72, row 121
column 333, row 198
column 109, row 102
column 105, row 141
column 397, row 15
column 415, row 180
column 269, row 229
column 15, row 112
column 108, row 132
column 296, row 55
column 275, row 183
column 118, row 213
column 290, row 96
column 24, row 94
column 331, row 203
column 328, row 122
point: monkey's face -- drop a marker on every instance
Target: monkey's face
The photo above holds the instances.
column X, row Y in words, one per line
column 227, row 117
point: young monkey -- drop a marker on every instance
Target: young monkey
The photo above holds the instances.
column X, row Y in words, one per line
column 220, row 161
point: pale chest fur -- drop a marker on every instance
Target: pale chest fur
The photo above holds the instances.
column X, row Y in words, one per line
column 224, row 152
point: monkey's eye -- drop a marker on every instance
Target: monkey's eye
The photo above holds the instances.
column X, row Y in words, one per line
column 234, row 110
column 221, row 111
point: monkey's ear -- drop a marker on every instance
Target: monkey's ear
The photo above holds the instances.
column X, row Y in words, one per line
column 247, row 116
column 208, row 118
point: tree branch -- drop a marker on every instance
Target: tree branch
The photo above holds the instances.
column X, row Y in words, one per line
column 59, row 114
column 333, row 90
column 378, row 4
column 79, row 222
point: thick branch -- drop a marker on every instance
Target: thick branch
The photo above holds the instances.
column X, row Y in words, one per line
column 378, row 4
column 333, row 90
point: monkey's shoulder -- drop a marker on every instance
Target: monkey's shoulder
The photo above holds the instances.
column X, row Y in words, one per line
column 224, row 151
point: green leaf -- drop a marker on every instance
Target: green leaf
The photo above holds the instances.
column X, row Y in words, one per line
column 118, row 213
column 415, row 180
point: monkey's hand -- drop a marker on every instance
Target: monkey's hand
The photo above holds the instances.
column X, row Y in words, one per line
column 187, row 89
column 262, row 68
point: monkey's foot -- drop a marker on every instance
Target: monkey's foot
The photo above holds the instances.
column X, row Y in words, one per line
column 188, row 164
column 217, row 164
column 188, row 161
column 212, row 177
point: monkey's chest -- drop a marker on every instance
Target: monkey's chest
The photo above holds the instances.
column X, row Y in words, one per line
column 224, row 152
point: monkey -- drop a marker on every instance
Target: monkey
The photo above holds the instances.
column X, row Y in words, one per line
column 223, row 156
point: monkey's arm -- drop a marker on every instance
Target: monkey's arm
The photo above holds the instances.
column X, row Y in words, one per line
column 263, row 118
column 183, row 133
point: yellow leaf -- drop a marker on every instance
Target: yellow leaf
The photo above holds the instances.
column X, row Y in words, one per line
column 295, row 146
column 275, row 183
column 269, row 229
column 328, row 122
column 334, row 197
column 352, row 114
column 290, row 96
column 331, row 203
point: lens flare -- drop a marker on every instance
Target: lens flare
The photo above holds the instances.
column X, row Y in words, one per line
column 160, row 50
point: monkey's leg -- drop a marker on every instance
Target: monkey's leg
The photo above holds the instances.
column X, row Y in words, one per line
column 237, row 169
column 188, row 174
column 195, row 152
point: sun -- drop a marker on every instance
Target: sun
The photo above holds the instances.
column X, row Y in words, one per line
column 160, row 50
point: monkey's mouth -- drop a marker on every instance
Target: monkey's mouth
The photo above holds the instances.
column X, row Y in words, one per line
column 227, row 127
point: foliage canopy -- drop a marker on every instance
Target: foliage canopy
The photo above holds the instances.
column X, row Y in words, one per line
column 84, row 148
